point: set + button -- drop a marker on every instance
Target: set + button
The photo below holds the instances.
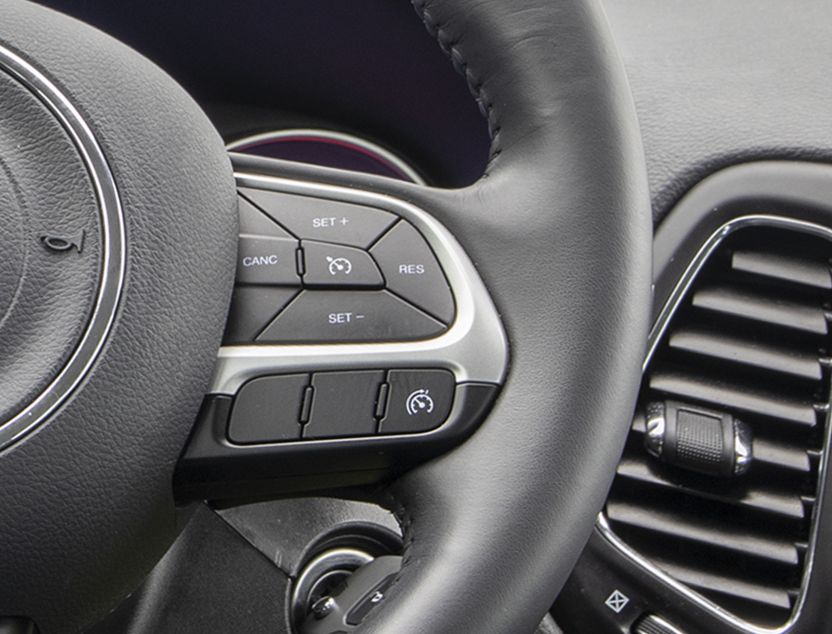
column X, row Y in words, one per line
column 325, row 220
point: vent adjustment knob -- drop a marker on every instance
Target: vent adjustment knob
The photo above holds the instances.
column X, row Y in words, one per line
column 697, row 439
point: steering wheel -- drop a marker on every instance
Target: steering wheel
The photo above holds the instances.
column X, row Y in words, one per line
column 119, row 242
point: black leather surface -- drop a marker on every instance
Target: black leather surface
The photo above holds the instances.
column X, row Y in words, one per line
column 86, row 501
column 45, row 297
column 718, row 83
column 559, row 229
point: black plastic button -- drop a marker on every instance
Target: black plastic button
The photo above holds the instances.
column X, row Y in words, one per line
column 320, row 219
column 412, row 271
column 343, row 404
column 262, row 260
column 266, row 409
column 252, row 308
column 344, row 316
column 419, row 400
column 255, row 222
column 329, row 264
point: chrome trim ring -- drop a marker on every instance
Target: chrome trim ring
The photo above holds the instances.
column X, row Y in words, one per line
column 656, row 334
column 329, row 135
column 474, row 348
column 113, row 260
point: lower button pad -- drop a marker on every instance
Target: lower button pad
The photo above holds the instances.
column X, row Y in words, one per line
column 343, row 404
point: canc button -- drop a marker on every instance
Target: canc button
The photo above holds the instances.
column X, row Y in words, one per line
column 264, row 260
column 419, row 400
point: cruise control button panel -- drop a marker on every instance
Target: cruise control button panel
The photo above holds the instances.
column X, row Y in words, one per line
column 368, row 274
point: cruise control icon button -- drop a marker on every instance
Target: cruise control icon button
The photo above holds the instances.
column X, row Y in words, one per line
column 335, row 265
column 418, row 400
column 343, row 316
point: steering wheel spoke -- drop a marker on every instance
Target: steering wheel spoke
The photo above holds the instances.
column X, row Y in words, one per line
column 368, row 344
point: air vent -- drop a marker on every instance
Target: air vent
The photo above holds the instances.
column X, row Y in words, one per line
column 749, row 341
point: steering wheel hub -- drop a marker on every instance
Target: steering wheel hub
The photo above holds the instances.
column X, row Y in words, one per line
column 62, row 255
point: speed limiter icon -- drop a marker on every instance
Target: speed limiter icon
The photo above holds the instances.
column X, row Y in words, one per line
column 419, row 402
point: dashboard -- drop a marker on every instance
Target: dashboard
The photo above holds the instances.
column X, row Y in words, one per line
column 732, row 100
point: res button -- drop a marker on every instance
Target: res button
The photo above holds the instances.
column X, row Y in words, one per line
column 412, row 271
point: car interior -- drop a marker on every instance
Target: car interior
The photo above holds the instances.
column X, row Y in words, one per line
column 428, row 316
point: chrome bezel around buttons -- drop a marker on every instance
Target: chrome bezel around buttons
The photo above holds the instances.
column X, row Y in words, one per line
column 474, row 347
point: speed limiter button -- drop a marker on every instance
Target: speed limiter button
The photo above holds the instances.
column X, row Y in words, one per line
column 418, row 400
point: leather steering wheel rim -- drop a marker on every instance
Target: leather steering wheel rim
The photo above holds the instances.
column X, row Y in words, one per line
column 559, row 229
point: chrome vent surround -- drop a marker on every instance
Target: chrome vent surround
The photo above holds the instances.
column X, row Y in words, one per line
column 750, row 336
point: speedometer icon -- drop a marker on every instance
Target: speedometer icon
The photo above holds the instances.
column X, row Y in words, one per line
column 419, row 402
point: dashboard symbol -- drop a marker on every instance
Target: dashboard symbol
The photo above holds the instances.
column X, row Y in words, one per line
column 339, row 266
column 419, row 402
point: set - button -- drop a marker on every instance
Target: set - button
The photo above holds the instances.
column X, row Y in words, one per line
column 339, row 316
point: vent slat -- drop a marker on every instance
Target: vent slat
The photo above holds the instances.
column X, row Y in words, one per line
column 757, row 498
column 713, row 531
column 771, row 310
column 782, row 456
column 781, row 267
column 730, row 586
column 733, row 396
column 747, row 352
